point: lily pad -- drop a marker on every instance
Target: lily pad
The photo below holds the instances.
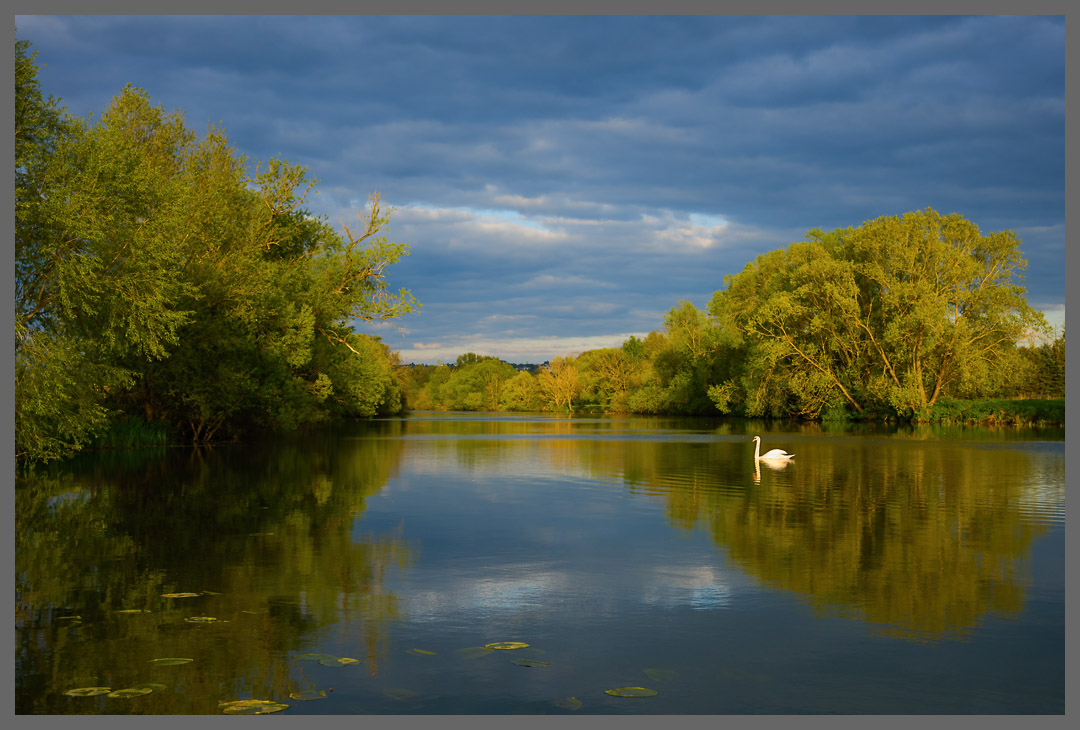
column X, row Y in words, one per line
column 420, row 652
column 631, row 692
column 68, row 618
column 131, row 610
column 131, row 692
column 531, row 663
column 314, row 656
column 506, row 645
column 251, row 707
column 568, row 703
column 180, row 595
column 152, row 686
column 662, row 675
column 308, row 694
column 171, row 661
column 472, row 652
column 332, row 661
column 205, row 620
column 88, row 691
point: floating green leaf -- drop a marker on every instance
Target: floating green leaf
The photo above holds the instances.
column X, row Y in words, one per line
column 531, row 663
column 472, row 652
column 314, row 656
column 332, row 661
column 88, row 691
column 308, row 694
column 68, row 618
column 170, row 661
column 131, row 610
column 130, row 692
column 506, row 645
column 251, row 707
column 631, row 692
column 205, row 620
column 179, row 595
column 568, row 703
column 152, row 686
column 420, row 652
column 662, row 675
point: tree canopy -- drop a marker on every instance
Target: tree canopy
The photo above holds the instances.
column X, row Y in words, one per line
column 892, row 314
column 880, row 321
column 162, row 277
column 161, row 273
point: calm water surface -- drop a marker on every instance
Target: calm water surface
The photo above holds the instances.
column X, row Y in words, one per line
column 882, row 571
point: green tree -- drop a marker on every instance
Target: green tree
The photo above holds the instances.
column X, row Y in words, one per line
column 559, row 384
column 475, row 383
column 521, row 393
column 172, row 282
column 607, row 375
column 1044, row 372
column 95, row 283
column 893, row 314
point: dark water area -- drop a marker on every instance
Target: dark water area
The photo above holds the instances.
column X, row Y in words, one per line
column 884, row 570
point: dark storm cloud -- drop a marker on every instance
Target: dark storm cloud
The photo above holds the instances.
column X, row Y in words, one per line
column 562, row 177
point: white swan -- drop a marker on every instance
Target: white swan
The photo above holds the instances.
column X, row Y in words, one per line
column 772, row 454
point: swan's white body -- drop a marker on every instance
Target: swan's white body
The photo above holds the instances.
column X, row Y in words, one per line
column 772, row 454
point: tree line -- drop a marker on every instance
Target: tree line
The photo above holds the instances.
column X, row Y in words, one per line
column 883, row 320
column 162, row 276
column 165, row 282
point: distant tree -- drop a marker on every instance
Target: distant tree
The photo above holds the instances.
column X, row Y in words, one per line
column 607, row 375
column 521, row 393
column 1044, row 372
column 470, row 358
column 559, row 383
column 475, row 383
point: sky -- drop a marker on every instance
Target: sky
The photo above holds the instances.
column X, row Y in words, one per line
column 564, row 181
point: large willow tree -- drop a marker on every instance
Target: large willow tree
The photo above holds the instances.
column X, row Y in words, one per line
column 159, row 272
column 891, row 315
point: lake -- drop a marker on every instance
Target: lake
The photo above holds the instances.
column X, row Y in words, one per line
column 392, row 567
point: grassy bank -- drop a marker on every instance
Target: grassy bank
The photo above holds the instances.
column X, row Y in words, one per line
column 133, row 432
column 1011, row 412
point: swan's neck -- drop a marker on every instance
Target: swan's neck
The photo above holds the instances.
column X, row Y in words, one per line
column 757, row 448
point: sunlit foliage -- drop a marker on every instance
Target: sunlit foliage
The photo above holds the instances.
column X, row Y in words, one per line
column 161, row 274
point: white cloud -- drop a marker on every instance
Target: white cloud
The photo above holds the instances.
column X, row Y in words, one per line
column 550, row 281
column 511, row 349
column 468, row 228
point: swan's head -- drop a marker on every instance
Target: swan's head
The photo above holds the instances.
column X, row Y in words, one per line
column 757, row 438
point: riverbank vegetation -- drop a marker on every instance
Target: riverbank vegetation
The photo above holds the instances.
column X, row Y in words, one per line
column 611, row 380
column 917, row 317
column 162, row 277
column 169, row 289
